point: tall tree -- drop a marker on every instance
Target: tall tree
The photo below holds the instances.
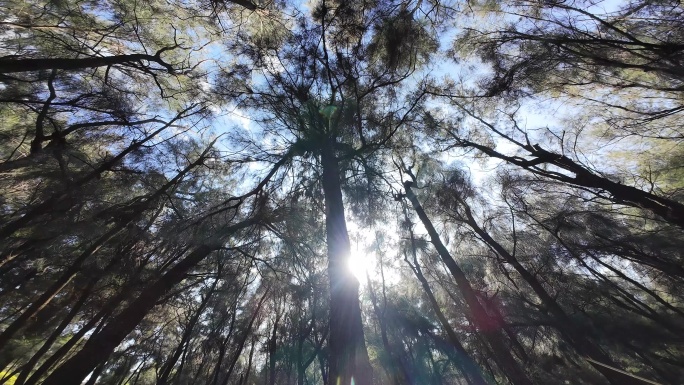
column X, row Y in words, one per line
column 181, row 184
column 485, row 323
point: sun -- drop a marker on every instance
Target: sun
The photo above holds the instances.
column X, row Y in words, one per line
column 358, row 263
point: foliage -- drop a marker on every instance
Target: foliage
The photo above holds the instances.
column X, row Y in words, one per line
column 182, row 184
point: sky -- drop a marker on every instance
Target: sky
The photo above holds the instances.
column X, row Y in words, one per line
column 534, row 116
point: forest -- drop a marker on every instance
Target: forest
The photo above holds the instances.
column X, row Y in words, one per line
column 331, row 192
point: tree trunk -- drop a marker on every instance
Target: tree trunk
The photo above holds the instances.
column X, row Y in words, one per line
column 75, row 267
column 348, row 355
column 466, row 364
column 28, row 368
column 27, row 65
column 485, row 324
column 245, row 336
column 667, row 209
column 101, row 345
column 185, row 339
column 101, row 317
column 272, row 348
column 245, row 376
column 396, row 370
column 324, row 372
column 96, row 374
column 564, row 324
column 56, row 286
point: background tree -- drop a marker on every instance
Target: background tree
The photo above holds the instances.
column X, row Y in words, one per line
column 184, row 184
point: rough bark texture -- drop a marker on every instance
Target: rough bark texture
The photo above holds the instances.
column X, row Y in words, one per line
column 348, row 354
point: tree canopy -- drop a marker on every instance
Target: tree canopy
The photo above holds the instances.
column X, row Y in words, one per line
column 341, row 192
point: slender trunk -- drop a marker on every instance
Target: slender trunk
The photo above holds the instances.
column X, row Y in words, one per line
column 183, row 358
column 96, row 374
column 50, row 293
column 633, row 304
column 495, row 311
column 484, row 351
column 466, row 364
column 348, row 355
column 201, row 367
column 647, row 310
column 223, row 345
column 137, row 372
column 124, row 371
column 27, row 65
column 664, row 372
column 643, row 288
column 245, row 378
column 101, row 317
column 396, row 370
column 324, row 372
column 101, row 345
column 28, row 368
column 667, row 209
column 75, row 267
column 564, row 324
column 488, row 328
column 66, row 348
column 216, row 373
column 272, row 348
column 168, row 367
column 315, row 354
column 299, row 362
column 245, row 336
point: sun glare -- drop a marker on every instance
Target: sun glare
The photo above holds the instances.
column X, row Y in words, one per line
column 366, row 254
column 358, row 264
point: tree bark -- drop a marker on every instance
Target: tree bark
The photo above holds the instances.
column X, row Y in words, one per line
column 245, row 336
column 75, row 266
column 96, row 374
column 85, row 294
column 28, row 65
column 100, row 317
column 185, row 339
column 396, row 370
column 485, row 325
column 101, row 345
column 56, row 286
column 667, row 209
column 245, row 375
column 575, row 337
column 348, row 355
column 466, row 364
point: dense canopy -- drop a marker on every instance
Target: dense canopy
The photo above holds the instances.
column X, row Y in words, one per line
column 252, row 192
